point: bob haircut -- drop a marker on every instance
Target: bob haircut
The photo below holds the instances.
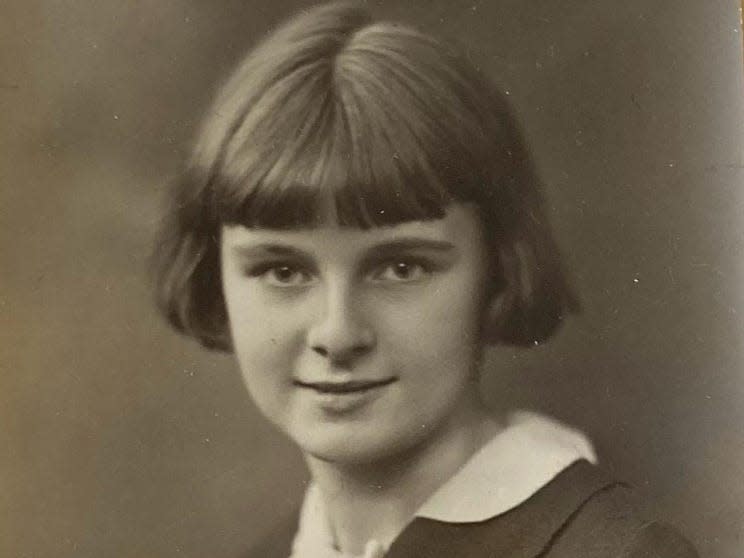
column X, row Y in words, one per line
column 380, row 123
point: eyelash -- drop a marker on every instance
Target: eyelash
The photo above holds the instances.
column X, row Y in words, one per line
column 425, row 266
column 263, row 270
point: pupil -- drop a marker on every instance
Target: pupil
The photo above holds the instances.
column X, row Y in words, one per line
column 402, row 269
column 284, row 272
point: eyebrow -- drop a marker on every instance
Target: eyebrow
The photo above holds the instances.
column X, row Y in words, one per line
column 268, row 249
column 413, row 243
column 382, row 249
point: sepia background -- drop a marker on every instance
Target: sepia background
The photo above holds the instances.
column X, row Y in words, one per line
column 119, row 438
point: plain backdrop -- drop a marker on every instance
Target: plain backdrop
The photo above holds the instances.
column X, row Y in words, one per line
column 118, row 438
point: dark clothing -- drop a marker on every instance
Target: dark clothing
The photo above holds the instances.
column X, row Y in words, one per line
column 582, row 513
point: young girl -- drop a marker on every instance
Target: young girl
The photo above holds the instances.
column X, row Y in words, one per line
column 359, row 220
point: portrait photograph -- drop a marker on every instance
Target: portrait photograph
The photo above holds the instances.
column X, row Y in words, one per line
column 372, row 278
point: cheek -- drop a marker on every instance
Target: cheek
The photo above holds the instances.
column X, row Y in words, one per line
column 265, row 344
column 446, row 314
column 438, row 332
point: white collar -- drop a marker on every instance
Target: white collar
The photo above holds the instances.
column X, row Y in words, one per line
column 505, row 472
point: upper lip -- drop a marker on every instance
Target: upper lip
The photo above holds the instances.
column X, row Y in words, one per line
column 350, row 386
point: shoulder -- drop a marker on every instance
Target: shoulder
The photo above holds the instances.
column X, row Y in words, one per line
column 611, row 522
column 582, row 513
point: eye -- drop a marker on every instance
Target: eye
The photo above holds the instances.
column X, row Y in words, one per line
column 402, row 271
column 283, row 275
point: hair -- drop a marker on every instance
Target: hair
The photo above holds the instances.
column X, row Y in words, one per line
column 384, row 125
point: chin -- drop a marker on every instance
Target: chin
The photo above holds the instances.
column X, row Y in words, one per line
column 354, row 449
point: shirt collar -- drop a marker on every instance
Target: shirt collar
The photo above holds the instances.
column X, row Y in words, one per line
column 504, row 473
column 515, row 464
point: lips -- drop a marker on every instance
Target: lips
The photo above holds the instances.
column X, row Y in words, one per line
column 353, row 386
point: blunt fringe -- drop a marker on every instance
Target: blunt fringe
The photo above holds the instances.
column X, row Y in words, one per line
column 382, row 124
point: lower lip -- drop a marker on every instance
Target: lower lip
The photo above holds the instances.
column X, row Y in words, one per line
column 345, row 402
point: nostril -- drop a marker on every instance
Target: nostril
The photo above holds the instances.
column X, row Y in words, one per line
column 341, row 355
column 359, row 350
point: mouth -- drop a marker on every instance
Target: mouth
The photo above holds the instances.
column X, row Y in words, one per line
column 353, row 386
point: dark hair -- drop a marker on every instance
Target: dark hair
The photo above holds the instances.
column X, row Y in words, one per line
column 380, row 122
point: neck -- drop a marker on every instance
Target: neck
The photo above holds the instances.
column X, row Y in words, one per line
column 377, row 500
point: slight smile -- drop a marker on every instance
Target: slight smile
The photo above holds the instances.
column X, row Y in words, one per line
column 354, row 386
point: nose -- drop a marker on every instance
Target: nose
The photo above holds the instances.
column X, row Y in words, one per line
column 341, row 333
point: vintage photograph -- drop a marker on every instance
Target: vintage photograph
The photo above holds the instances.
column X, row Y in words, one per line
column 366, row 279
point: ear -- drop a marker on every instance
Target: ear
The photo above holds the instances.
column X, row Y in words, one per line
column 510, row 284
column 215, row 333
column 532, row 297
column 494, row 320
column 218, row 341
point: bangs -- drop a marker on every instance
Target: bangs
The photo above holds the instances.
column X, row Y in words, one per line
column 362, row 140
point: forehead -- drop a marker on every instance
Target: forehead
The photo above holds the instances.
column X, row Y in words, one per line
column 460, row 227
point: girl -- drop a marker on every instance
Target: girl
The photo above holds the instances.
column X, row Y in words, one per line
column 360, row 218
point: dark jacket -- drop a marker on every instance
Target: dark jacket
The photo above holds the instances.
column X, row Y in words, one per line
column 582, row 513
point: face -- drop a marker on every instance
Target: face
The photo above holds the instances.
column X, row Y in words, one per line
column 359, row 344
